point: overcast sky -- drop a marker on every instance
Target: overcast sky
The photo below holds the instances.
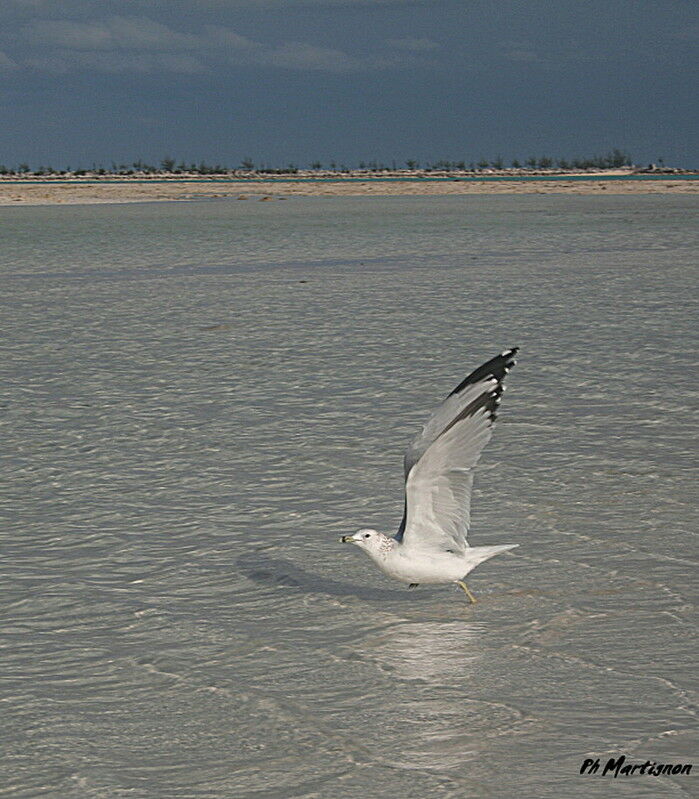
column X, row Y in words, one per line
column 292, row 81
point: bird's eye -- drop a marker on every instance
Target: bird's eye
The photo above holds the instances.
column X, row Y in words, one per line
column 367, row 535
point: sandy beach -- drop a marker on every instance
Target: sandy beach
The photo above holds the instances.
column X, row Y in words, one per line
column 109, row 191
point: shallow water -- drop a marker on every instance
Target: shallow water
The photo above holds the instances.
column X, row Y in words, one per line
column 200, row 398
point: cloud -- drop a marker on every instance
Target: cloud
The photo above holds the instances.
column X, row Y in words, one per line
column 521, row 55
column 74, row 35
column 305, row 3
column 413, row 45
column 6, row 62
column 130, row 33
column 689, row 33
column 64, row 8
column 118, row 62
column 519, row 51
column 139, row 44
column 225, row 37
column 29, row 4
column 85, row 8
column 290, row 55
column 299, row 55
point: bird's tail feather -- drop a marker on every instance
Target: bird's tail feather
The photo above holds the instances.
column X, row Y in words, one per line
column 479, row 554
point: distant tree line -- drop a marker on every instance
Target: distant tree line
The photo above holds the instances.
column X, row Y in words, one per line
column 169, row 166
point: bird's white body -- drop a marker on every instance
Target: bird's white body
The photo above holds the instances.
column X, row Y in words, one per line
column 424, row 567
column 430, row 546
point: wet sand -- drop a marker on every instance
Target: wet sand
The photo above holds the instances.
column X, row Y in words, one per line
column 65, row 193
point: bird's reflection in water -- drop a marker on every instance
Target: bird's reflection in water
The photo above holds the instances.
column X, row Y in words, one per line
column 431, row 707
column 436, row 652
column 427, row 717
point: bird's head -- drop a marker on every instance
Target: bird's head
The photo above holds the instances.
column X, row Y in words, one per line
column 370, row 540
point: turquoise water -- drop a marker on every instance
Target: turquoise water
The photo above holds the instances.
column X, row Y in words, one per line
column 197, row 401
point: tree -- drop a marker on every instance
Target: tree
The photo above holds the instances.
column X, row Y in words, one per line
column 516, row 164
column 168, row 164
column 618, row 158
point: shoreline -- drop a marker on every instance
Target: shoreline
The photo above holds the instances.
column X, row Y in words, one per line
column 37, row 190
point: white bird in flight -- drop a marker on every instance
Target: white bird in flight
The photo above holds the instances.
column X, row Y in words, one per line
column 430, row 545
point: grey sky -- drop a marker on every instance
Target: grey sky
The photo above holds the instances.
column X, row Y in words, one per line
column 346, row 80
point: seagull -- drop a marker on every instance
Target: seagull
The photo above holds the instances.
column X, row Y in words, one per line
column 430, row 546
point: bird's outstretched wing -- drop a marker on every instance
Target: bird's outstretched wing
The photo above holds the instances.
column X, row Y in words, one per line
column 439, row 462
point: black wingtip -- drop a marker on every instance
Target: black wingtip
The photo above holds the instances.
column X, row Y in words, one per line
column 495, row 370
column 496, row 367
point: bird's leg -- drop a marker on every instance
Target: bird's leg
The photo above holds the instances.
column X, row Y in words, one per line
column 463, row 585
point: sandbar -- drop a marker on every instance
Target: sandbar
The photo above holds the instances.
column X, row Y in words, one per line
column 64, row 192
